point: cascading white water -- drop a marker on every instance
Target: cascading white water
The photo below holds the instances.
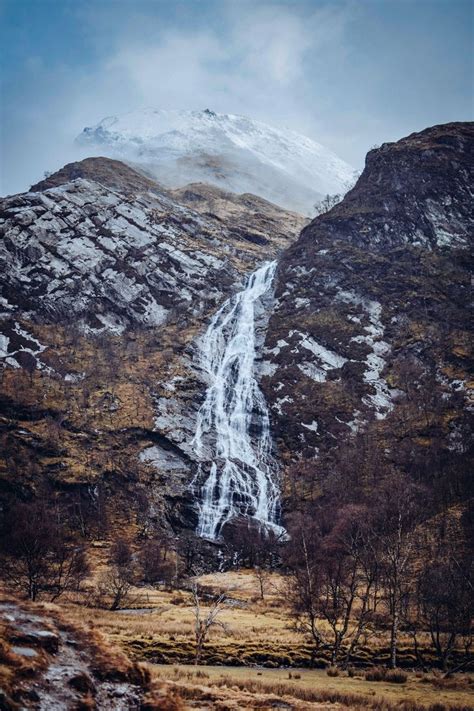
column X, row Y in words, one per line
column 233, row 425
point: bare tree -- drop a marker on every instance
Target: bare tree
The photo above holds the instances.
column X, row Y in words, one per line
column 350, row 564
column 68, row 568
column 444, row 605
column 38, row 554
column 305, row 582
column 155, row 567
column 262, row 575
column 188, row 552
column 204, row 621
column 327, row 203
column 364, row 548
column 121, row 555
column 116, row 583
column 334, row 567
column 399, row 510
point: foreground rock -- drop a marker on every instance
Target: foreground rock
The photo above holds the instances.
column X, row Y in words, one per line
column 48, row 665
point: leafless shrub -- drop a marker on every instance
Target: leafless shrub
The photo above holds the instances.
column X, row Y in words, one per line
column 375, row 674
column 327, row 203
column 395, row 676
column 38, row 555
column 205, row 621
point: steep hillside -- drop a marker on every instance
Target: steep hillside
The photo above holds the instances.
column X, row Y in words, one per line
column 117, row 333
column 231, row 152
column 107, row 281
column 371, row 332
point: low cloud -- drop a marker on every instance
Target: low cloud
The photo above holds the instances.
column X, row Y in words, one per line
column 301, row 65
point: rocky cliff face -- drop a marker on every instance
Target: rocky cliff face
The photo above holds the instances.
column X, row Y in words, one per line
column 372, row 304
column 108, row 278
column 108, row 259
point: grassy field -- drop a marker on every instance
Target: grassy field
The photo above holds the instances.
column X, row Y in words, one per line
column 418, row 691
column 257, row 659
column 158, row 627
column 258, row 634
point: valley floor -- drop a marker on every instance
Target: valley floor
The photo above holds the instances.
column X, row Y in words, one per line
column 257, row 655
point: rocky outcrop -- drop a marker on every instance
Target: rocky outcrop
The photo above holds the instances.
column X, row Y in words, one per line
column 111, row 259
column 48, row 663
column 108, row 279
column 247, row 217
column 372, row 299
column 110, row 173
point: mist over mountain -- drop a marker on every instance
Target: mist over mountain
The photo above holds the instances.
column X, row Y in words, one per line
column 232, row 152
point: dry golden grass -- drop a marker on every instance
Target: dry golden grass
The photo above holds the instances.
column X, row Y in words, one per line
column 169, row 615
column 313, row 685
column 253, row 627
column 253, row 632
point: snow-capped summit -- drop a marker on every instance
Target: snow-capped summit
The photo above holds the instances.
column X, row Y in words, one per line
column 234, row 152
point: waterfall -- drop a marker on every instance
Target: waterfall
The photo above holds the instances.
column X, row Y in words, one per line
column 233, row 425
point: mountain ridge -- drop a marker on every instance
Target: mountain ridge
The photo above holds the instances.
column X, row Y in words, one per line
column 372, row 308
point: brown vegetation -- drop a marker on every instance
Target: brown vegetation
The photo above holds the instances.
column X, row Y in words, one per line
column 373, row 564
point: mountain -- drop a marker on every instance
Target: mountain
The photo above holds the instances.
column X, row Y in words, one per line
column 195, row 381
column 155, row 369
column 232, row 152
column 111, row 248
column 107, row 281
column 369, row 344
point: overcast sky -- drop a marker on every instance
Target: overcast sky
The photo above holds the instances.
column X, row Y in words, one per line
column 349, row 74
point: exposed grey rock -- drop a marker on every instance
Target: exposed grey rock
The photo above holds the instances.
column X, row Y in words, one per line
column 381, row 277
